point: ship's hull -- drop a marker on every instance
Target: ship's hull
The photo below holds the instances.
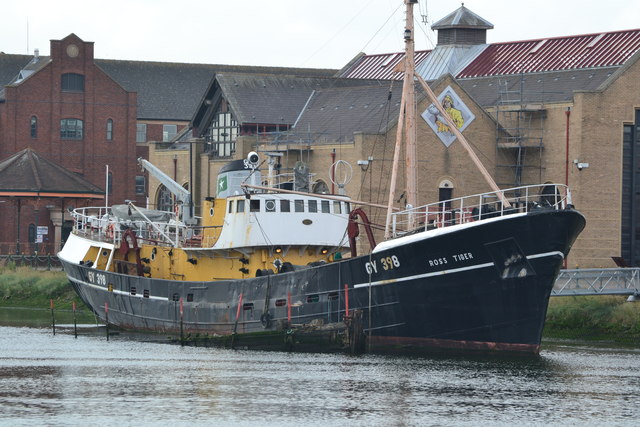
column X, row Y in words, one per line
column 483, row 286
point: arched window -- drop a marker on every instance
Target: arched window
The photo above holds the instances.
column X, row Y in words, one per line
column 72, row 82
column 71, row 129
column 109, row 130
column 164, row 199
column 34, row 126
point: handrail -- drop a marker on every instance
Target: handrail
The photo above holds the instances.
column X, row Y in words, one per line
column 466, row 209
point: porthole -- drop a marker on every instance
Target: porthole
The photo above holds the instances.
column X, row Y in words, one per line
column 210, row 211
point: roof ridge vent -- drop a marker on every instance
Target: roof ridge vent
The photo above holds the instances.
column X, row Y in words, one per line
column 538, row 46
column 595, row 41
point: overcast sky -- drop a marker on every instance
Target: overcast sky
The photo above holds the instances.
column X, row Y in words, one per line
column 291, row 33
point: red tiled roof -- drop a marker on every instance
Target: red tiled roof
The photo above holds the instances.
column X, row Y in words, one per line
column 380, row 67
column 555, row 54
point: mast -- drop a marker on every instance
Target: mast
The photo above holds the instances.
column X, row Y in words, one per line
column 406, row 123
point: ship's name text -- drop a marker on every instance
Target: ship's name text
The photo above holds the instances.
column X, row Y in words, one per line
column 464, row 256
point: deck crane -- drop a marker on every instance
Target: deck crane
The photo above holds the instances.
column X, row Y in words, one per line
column 183, row 196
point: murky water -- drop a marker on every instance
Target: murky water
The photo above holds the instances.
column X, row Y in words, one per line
column 59, row 380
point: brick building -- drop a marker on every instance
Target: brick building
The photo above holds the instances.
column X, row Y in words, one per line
column 69, row 111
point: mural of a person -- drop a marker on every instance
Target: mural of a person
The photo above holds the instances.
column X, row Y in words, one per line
column 455, row 114
column 458, row 111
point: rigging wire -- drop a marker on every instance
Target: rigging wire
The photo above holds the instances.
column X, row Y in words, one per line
column 330, row 39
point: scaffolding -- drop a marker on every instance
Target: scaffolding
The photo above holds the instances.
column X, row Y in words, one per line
column 519, row 136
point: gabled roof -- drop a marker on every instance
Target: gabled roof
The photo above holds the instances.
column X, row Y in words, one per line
column 166, row 90
column 334, row 114
column 263, row 98
column 171, row 91
column 256, row 98
column 28, row 174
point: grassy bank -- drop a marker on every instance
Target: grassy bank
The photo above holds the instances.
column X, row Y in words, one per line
column 25, row 287
column 582, row 317
column 601, row 317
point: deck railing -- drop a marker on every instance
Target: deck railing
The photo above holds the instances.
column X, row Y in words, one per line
column 99, row 223
column 466, row 209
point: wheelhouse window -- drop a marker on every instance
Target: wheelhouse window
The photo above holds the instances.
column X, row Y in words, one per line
column 336, row 207
column 254, row 205
column 33, row 126
column 71, row 129
column 285, row 206
column 169, row 132
column 240, row 206
column 141, row 133
column 72, row 82
column 313, row 206
column 109, row 130
column 299, row 205
column 324, row 204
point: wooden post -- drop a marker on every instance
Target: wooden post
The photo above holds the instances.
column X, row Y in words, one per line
column 53, row 318
column 75, row 323
column 346, row 300
column 235, row 326
column 181, row 323
column 106, row 318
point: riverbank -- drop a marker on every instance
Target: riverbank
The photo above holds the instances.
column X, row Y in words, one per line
column 600, row 317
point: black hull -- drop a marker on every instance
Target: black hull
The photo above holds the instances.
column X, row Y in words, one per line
column 483, row 287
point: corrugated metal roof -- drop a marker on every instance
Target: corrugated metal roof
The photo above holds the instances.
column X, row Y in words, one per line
column 608, row 49
column 448, row 59
column 381, row 67
column 555, row 54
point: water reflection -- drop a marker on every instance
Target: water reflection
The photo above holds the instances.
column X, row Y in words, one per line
column 53, row 380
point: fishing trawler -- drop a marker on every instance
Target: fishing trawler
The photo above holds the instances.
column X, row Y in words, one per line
column 268, row 267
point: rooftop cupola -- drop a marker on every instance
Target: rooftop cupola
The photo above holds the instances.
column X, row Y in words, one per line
column 462, row 27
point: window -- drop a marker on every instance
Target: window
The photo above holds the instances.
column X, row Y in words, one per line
column 32, row 233
column 254, row 205
column 169, row 132
column 240, row 206
column 270, row 205
column 221, row 135
column 71, row 129
column 72, row 82
column 336, row 207
column 141, row 133
column 34, row 127
column 324, row 205
column 140, row 185
column 313, row 206
column 284, row 206
column 109, row 130
column 165, row 202
column 299, row 205
column 110, row 183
